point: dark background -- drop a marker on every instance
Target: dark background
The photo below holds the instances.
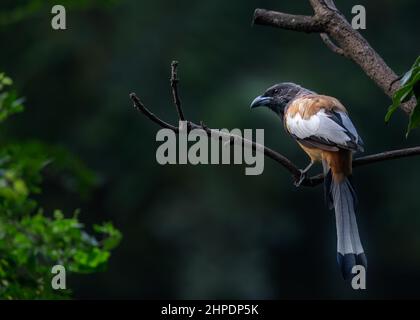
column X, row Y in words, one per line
column 210, row 231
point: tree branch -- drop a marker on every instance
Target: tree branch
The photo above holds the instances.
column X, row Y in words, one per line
column 274, row 155
column 287, row 21
column 348, row 42
column 285, row 162
column 373, row 158
column 387, row 155
column 140, row 107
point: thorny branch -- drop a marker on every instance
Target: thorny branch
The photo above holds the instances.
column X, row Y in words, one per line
column 270, row 153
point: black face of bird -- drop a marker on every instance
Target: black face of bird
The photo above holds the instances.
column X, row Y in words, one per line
column 278, row 96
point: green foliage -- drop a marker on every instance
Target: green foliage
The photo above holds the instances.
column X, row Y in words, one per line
column 69, row 170
column 32, row 242
column 410, row 85
column 9, row 103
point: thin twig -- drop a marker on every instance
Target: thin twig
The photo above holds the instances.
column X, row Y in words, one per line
column 387, row 155
column 174, row 87
column 140, row 107
column 332, row 46
column 287, row 21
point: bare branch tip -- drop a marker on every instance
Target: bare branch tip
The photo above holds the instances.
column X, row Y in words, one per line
column 257, row 12
column 174, row 72
column 332, row 46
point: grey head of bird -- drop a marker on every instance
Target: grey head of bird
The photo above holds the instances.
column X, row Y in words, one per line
column 278, row 96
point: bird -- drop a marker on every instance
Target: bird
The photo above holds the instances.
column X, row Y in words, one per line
column 322, row 127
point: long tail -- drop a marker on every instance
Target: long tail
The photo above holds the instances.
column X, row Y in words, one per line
column 342, row 197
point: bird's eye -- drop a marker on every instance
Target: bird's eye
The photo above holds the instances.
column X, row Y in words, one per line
column 276, row 91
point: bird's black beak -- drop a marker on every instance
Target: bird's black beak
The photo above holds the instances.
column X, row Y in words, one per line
column 260, row 101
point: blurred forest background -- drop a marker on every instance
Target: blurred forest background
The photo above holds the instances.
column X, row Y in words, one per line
column 210, row 231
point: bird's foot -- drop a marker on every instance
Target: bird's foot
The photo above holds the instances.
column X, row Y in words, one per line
column 301, row 178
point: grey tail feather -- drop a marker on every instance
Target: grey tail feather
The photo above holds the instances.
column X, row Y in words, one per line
column 342, row 197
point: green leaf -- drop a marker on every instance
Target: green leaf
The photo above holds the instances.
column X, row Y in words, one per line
column 58, row 215
column 410, row 86
column 397, row 99
column 114, row 235
column 7, row 81
column 9, row 104
column 417, row 62
column 414, row 121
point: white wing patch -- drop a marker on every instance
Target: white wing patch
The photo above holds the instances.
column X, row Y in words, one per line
column 319, row 125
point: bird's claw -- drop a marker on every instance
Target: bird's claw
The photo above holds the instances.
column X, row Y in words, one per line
column 302, row 177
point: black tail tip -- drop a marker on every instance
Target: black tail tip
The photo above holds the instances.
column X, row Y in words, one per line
column 347, row 261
